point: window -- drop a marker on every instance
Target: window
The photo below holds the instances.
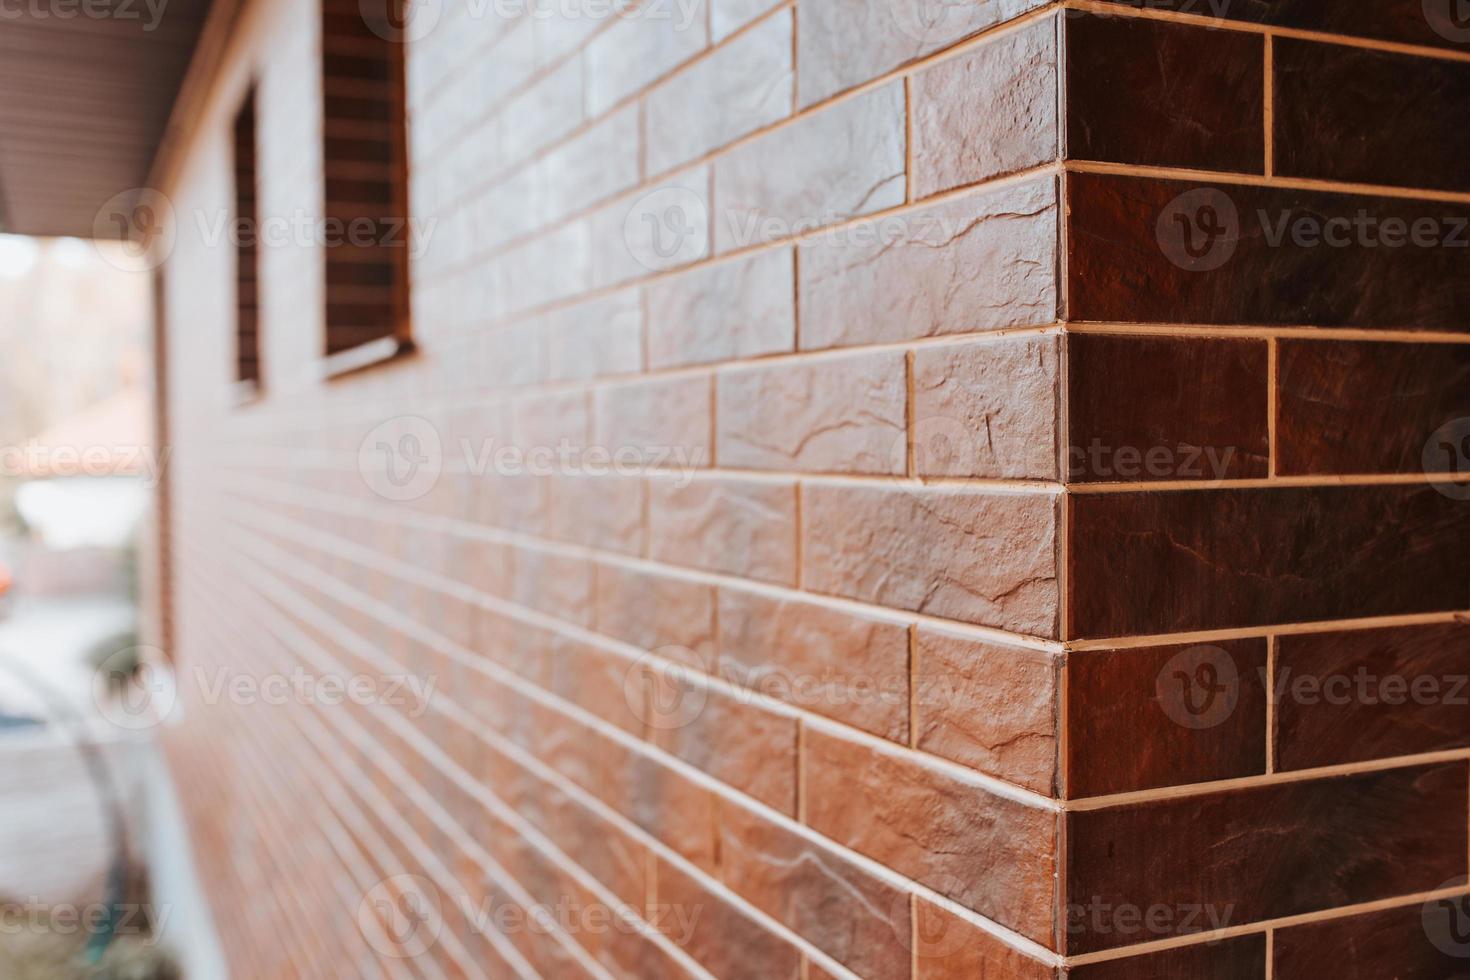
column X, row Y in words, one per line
column 366, row 181
column 247, row 253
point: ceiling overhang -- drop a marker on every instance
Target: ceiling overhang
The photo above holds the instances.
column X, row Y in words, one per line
column 86, row 92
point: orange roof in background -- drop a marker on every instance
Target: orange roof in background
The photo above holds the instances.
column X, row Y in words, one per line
column 111, row 438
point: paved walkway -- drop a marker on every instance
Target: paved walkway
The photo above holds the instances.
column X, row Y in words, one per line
column 54, row 842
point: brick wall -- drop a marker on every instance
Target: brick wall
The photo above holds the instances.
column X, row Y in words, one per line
column 866, row 475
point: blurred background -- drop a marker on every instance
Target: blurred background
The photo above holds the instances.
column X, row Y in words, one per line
column 84, row 802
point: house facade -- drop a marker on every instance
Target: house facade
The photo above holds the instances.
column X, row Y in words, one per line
column 827, row 488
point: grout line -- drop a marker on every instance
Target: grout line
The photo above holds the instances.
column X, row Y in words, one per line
column 1271, row 704
column 801, row 790
column 1259, row 180
column 1280, row 629
column 1269, row 104
column 1273, row 370
column 1221, row 786
column 908, row 138
column 914, row 970
column 994, row 785
column 795, row 302
column 369, row 404
column 1270, row 954
column 475, row 264
column 1265, row 925
column 423, row 852
column 795, row 58
column 295, row 460
column 911, row 467
column 983, row 781
column 900, row 74
column 583, row 718
column 1273, row 483
column 913, row 692
column 403, row 778
column 798, row 526
column 1246, row 331
column 333, row 504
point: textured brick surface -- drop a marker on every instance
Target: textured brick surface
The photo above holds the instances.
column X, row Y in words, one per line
column 1163, row 94
column 1351, row 839
column 1328, row 94
column 988, row 853
column 780, row 618
column 981, row 558
column 1196, row 409
column 988, row 707
column 1146, row 717
column 837, row 415
column 987, row 113
column 920, row 279
column 987, row 409
column 844, row 161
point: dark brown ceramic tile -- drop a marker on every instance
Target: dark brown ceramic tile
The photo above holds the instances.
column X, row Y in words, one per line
column 1186, row 865
column 1346, row 407
column 1233, row 959
column 1370, row 117
column 1428, row 941
column 1152, row 251
column 1164, row 716
column 991, row 854
column 1434, row 23
column 1166, row 408
column 1144, row 563
column 1374, row 694
column 1164, row 94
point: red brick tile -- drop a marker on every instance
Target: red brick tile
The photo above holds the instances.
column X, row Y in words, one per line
column 836, row 415
column 936, row 551
column 989, row 853
column 989, row 707
column 988, row 409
